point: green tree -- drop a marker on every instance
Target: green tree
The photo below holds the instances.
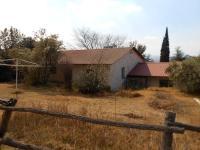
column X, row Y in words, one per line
column 165, row 51
column 15, row 38
column 4, row 43
column 141, row 49
column 179, row 55
column 41, row 49
column 186, row 75
column 9, row 38
column 45, row 54
column 21, row 53
column 28, row 42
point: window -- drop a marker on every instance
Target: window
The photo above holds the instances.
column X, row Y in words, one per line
column 164, row 83
column 123, row 73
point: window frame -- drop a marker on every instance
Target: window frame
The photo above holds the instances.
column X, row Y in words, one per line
column 123, row 73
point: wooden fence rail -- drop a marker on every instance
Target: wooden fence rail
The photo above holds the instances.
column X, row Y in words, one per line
column 169, row 127
column 95, row 121
column 185, row 126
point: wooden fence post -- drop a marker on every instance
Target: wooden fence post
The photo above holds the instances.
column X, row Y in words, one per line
column 168, row 135
column 6, row 117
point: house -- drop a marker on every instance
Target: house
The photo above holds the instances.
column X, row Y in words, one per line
column 121, row 65
column 149, row 74
column 117, row 63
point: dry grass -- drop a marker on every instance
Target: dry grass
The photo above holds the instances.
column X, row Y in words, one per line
column 134, row 116
column 69, row 134
column 128, row 94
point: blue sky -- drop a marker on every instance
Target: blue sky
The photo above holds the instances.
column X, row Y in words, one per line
column 141, row 20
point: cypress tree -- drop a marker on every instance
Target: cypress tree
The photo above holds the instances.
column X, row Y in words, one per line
column 164, row 55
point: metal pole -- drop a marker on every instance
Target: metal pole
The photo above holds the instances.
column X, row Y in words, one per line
column 115, row 106
column 16, row 86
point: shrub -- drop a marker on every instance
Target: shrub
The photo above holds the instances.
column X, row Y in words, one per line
column 37, row 76
column 186, row 75
column 92, row 80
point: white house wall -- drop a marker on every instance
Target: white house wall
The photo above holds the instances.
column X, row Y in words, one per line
column 129, row 61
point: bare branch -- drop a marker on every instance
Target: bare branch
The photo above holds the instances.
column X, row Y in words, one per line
column 92, row 40
column 9, row 142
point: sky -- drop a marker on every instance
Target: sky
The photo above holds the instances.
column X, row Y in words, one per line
column 141, row 20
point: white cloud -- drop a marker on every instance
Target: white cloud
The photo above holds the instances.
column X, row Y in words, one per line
column 65, row 16
column 26, row 15
column 106, row 16
column 103, row 14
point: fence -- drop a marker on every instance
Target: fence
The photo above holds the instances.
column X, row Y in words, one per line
column 169, row 128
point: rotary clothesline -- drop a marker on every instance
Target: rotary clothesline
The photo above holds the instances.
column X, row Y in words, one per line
column 18, row 63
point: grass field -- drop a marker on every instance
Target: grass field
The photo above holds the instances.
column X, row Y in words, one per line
column 142, row 106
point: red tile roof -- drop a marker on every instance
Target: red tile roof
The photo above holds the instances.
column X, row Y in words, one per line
column 96, row 56
column 150, row 70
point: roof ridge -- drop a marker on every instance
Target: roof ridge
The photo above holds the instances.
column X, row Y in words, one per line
column 110, row 55
column 96, row 49
column 157, row 62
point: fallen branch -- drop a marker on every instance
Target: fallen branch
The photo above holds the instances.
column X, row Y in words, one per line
column 95, row 121
column 9, row 142
column 10, row 102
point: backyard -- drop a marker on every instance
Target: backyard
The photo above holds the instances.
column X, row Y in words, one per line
column 137, row 106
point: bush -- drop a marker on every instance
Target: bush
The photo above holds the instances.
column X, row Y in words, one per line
column 37, row 76
column 92, row 80
column 186, row 75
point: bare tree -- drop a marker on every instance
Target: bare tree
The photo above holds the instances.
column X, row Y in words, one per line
column 141, row 49
column 89, row 39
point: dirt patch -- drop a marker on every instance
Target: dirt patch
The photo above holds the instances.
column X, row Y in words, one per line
column 164, row 101
column 162, row 104
column 157, row 89
column 129, row 94
column 163, row 95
